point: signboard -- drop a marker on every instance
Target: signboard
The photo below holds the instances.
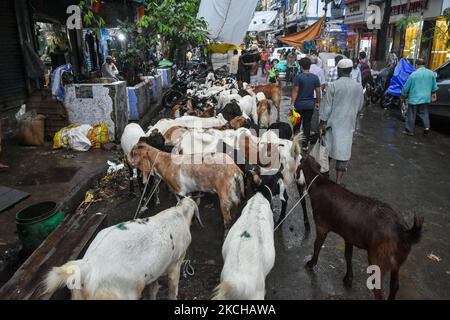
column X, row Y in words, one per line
column 355, row 12
column 337, row 9
column 411, row 7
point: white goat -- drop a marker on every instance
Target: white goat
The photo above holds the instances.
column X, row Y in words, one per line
column 260, row 96
column 226, row 98
column 125, row 258
column 210, row 78
column 248, row 253
column 288, row 151
column 198, row 142
column 248, row 107
column 188, row 122
column 130, row 136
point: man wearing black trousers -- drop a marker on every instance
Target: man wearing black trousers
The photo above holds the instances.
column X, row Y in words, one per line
column 302, row 98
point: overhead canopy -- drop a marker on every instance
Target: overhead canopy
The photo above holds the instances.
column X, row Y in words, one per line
column 222, row 47
column 228, row 20
column 310, row 33
column 262, row 21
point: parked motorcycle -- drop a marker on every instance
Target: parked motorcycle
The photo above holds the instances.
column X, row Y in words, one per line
column 381, row 83
column 391, row 98
column 180, row 81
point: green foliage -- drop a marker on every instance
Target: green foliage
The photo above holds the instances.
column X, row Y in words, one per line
column 175, row 21
column 89, row 19
column 171, row 24
column 407, row 21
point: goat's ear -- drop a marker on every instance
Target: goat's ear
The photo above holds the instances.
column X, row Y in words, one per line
column 256, row 179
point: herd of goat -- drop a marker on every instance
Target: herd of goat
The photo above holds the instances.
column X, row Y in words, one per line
column 215, row 142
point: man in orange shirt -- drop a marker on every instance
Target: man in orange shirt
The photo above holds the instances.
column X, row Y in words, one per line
column 263, row 61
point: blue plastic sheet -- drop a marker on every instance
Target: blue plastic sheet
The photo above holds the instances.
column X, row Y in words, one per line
column 133, row 113
column 401, row 74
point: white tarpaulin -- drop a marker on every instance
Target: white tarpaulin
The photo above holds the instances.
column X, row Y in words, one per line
column 262, row 20
column 228, row 20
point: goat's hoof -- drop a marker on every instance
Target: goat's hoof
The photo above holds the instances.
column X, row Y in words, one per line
column 348, row 281
column 310, row 265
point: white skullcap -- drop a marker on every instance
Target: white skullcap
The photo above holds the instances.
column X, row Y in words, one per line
column 345, row 63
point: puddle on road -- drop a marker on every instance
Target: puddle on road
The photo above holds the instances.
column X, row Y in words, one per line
column 55, row 175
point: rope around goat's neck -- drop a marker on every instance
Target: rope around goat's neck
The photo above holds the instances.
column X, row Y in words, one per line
column 145, row 187
column 297, row 203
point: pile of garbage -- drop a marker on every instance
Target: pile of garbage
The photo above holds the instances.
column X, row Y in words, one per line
column 109, row 186
column 81, row 137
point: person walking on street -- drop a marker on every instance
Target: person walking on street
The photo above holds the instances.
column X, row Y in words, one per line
column 234, row 64
column 291, row 63
column 356, row 73
column 264, row 59
column 343, row 100
column 317, row 70
column 302, row 97
column 315, row 54
column 243, row 73
column 363, row 58
column 333, row 72
column 421, row 90
column 272, row 74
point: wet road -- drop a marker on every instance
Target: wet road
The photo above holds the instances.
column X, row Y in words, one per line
column 410, row 173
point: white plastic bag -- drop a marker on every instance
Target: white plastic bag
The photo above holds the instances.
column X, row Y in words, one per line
column 77, row 138
column 320, row 153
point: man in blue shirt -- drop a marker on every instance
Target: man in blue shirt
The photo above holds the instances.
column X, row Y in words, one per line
column 302, row 97
column 421, row 90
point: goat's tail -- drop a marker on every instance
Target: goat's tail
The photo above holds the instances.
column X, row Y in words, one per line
column 226, row 291
column 415, row 233
column 68, row 274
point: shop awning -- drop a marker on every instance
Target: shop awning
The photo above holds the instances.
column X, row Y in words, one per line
column 310, row 33
column 228, row 20
column 262, row 21
column 222, row 47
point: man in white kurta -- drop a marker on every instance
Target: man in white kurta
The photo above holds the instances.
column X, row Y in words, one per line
column 343, row 100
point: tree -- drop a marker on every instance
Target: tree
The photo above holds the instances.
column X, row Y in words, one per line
column 175, row 22
column 172, row 24
column 380, row 54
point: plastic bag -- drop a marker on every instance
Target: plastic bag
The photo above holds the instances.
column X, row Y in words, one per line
column 74, row 137
column 21, row 112
column 77, row 138
column 320, row 153
column 98, row 135
column 295, row 119
column 58, row 141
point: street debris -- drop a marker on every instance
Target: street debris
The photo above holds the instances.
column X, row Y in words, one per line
column 434, row 257
column 108, row 187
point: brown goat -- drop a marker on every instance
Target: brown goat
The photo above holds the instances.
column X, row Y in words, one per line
column 174, row 134
column 363, row 222
column 271, row 91
column 264, row 113
column 261, row 154
column 235, row 123
column 208, row 112
column 176, row 108
column 184, row 174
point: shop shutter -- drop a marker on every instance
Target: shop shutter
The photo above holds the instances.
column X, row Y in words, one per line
column 12, row 75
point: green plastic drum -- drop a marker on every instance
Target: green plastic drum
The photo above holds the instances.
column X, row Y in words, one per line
column 36, row 222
